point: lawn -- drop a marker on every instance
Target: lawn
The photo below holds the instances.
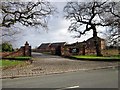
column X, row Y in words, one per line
column 13, row 61
column 95, row 57
column 22, row 58
column 18, row 58
column 8, row 63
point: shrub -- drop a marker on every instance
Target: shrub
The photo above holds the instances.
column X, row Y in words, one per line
column 6, row 47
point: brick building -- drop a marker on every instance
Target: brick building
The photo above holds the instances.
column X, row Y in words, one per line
column 44, row 47
column 79, row 48
column 56, row 48
column 83, row 48
column 90, row 46
column 53, row 48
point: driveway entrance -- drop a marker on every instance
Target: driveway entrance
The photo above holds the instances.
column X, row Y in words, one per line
column 46, row 64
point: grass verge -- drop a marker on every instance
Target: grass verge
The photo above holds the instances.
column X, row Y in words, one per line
column 96, row 57
column 8, row 63
column 18, row 58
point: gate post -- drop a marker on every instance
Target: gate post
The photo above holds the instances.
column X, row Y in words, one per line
column 27, row 49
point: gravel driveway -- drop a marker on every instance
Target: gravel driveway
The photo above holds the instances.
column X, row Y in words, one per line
column 47, row 64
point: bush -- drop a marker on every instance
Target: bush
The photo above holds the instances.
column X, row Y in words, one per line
column 6, row 47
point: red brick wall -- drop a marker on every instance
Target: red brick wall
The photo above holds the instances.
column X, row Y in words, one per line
column 13, row 54
column 23, row 51
column 4, row 54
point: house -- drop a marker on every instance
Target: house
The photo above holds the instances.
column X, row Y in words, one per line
column 79, row 48
column 73, row 49
column 82, row 48
column 53, row 48
column 56, row 48
column 90, row 46
column 44, row 47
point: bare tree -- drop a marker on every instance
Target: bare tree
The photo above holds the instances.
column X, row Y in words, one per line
column 26, row 13
column 115, row 11
column 10, row 34
column 111, row 34
column 17, row 13
column 90, row 15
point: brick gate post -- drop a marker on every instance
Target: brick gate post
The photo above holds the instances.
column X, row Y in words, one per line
column 27, row 49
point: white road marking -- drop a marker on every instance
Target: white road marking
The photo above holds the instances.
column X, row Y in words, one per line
column 73, row 87
column 68, row 88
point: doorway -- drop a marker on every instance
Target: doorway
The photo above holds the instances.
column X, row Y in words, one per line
column 58, row 50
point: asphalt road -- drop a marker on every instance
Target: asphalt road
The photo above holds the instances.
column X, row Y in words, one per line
column 103, row 78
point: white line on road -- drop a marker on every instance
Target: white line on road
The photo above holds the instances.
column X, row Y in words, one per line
column 68, row 88
column 73, row 87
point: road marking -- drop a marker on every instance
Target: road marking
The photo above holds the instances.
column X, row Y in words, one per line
column 68, row 88
column 73, row 87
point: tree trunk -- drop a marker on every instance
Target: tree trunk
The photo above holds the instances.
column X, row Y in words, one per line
column 96, row 42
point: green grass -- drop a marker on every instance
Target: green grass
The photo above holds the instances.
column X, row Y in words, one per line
column 22, row 58
column 8, row 63
column 19, row 58
column 116, row 56
column 13, row 61
column 96, row 57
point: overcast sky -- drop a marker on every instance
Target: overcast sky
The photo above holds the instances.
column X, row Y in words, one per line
column 58, row 31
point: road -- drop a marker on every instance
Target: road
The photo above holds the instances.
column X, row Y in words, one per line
column 102, row 78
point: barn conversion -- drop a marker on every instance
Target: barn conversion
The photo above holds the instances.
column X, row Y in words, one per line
column 78, row 48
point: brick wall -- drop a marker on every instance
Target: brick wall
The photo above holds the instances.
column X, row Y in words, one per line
column 23, row 51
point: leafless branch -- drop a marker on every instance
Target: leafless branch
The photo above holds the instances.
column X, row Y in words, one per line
column 26, row 13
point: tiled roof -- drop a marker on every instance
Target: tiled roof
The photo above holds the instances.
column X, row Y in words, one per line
column 93, row 37
column 57, row 44
column 44, row 45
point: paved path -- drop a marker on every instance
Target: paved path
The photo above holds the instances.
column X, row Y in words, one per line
column 104, row 78
column 47, row 64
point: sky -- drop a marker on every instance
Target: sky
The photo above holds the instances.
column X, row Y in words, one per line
column 58, row 31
